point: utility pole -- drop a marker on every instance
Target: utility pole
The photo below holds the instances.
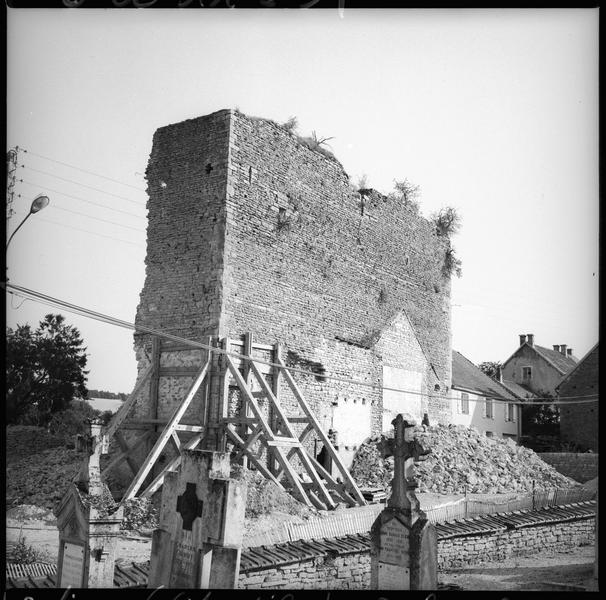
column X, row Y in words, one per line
column 11, row 170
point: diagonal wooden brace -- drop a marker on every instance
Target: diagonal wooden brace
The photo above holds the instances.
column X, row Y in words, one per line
column 165, row 435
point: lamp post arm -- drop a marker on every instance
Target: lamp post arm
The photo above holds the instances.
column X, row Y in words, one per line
column 18, row 227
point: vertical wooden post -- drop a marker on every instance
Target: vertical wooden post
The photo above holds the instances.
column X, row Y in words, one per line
column 223, row 396
column 246, row 351
column 154, row 385
column 275, row 388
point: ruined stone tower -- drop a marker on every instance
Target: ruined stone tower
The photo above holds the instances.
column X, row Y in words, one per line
column 250, row 230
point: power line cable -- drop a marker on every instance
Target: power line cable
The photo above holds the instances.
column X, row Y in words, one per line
column 75, row 212
column 82, row 311
column 81, row 184
column 134, row 187
column 109, row 237
column 125, row 212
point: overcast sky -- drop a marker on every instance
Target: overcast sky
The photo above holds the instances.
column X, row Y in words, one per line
column 493, row 112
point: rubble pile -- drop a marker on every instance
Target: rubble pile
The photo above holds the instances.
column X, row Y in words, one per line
column 462, row 459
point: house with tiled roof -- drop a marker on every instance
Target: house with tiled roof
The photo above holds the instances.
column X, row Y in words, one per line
column 579, row 419
column 536, row 368
column 482, row 402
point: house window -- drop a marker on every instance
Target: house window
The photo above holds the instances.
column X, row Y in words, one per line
column 489, row 434
column 489, row 408
column 526, row 373
column 465, row 403
column 510, row 412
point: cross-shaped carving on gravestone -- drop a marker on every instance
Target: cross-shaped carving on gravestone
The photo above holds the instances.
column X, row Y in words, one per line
column 405, row 450
column 188, row 506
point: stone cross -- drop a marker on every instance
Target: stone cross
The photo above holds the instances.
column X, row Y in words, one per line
column 405, row 450
column 403, row 544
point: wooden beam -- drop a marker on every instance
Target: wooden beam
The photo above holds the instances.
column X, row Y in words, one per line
column 177, row 347
column 253, row 459
column 185, row 427
column 170, row 466
column 323, row 437
column 154, row 379
column 125, row 448
column 176, row 441
column 273, row 417
column 241, row 421
column 120, row 457
column 294, row 478
column 165, row 435
column 123, row 411
column 289, row 432
column 254, row 436
column 178, row 371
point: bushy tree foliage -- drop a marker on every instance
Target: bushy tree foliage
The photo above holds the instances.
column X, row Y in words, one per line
column 491, row 368
column 45, row 370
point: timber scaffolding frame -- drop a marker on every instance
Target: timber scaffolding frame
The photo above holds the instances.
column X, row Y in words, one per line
column 261, row 434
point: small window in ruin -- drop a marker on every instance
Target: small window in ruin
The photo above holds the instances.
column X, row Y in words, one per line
column 489, row 434
column 249, row 174
column 209, row 168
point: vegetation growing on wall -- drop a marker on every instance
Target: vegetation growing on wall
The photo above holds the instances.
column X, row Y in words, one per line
column 406, row 193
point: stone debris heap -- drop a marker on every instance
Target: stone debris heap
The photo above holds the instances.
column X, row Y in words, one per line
column 462, row 459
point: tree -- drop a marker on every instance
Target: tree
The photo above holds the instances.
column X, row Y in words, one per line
column 44, row 370
column 491, row 368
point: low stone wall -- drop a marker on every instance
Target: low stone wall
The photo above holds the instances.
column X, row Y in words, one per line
column 473, row 549
column 580, row 466
column 352, row 571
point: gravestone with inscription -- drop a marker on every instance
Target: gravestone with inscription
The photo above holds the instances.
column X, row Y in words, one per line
column 199, row 540
column 89, row 524
column 404, row 543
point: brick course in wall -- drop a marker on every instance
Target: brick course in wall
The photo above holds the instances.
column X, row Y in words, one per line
column 252, row 231
column 580, row 466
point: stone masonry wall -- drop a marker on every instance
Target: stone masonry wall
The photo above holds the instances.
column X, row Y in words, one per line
column 313, row 264
column 579, row 422
column 580, row 466
column 352, row 571
column 251, row 231
column 559, row 537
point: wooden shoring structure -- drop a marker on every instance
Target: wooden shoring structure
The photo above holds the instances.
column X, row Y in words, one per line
column 259, row 432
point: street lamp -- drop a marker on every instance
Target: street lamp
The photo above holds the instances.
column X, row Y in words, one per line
column 38, row 204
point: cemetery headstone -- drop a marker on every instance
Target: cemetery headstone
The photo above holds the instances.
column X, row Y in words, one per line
column 403, row 542
column 89, row 524
column 199, row 540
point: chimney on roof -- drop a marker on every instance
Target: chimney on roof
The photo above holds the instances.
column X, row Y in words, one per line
column 556, row 347
column 522, row 339
column 563, row 349
column 569, row 352
column 530, row 339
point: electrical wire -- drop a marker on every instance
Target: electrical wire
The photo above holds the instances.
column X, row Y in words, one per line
column 125, row 212
column 81, row 184
column 82, row 311
column 75, row 212
column 109, row 237
column 58, row 162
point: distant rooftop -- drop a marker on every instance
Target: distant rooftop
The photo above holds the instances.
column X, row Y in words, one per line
column 467, row 376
